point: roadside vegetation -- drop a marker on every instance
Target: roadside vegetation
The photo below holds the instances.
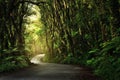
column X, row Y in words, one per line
column 83, row 32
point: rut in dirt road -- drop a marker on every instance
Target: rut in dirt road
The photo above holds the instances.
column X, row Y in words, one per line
column 51, row 71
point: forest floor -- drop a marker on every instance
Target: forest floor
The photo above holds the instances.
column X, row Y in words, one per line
column 50, row 71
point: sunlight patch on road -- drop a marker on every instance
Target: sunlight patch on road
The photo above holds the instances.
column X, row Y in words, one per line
column 37, row 59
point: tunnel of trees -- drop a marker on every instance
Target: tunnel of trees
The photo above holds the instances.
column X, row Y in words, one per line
column 83, row 32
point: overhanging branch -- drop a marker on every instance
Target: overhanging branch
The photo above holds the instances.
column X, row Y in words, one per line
column 32, row 2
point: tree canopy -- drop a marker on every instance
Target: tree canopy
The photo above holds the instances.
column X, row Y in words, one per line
column 84, row 32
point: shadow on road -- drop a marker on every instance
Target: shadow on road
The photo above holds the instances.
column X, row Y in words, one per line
column 50, row 71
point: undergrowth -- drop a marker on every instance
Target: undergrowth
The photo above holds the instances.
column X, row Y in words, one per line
column 107, row 62
column 12, row 63
column 104, row 60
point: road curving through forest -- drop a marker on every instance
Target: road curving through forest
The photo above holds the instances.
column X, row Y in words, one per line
column 50, row 71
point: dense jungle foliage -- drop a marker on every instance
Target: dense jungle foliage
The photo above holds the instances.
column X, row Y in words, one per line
column 12, row 42
column 84, row 32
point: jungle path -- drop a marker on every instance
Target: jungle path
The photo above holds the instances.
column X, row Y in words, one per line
column 50, row 71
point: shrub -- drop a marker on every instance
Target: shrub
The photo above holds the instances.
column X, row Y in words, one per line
column 13, row 63
column 107, row 63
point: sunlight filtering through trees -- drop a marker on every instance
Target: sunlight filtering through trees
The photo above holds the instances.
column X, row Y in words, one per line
column 83, row 32
column 35, row 39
